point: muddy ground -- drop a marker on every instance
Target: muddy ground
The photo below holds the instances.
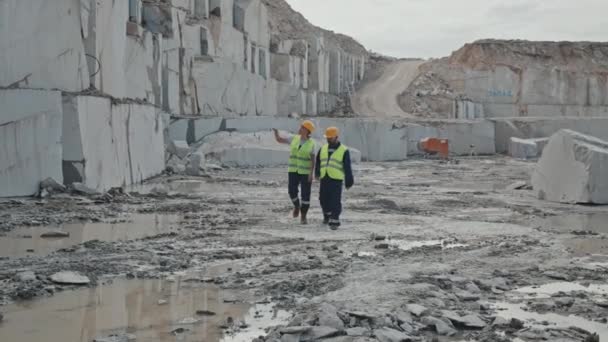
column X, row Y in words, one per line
column 429, row 251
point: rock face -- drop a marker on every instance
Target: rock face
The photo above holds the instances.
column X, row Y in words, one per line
column 513, row 78
column 573, row 169
column 70, row 278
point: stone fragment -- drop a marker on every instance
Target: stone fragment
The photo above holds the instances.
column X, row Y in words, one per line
column 403, row 317
column 317, row 333
column 519, row 185
column 295, row 330
column 556, row 275
column 416, row 309
column 361, row 314
column 601, row 302
column 178, row 148
column 205, row 313
column 471, row 287
column 470, row 320
column 70, row 278
column 442, row 328
column 500, row 322
column 328, row 316
column 572, row 169
column 516, row 324
column 467, row 296
column 564, row 301
column 25, row 276
column 54, row 234
column 195, row 164
column 53, row 185
column 83, row 189
column 188, row 321
column 391, row 335
column 357, row 331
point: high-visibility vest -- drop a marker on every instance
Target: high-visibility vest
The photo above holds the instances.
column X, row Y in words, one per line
column 300, row 159
column 333, row 166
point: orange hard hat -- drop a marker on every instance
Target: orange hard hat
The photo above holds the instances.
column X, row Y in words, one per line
column 309, row 125
column 332, row 132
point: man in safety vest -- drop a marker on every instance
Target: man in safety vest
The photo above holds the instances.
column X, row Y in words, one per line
column 334, row 168
column 301, row 167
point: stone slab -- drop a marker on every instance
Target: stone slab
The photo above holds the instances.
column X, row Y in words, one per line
column 30, row 140
column 527, row 148
column 527, row 128
column 572, row 169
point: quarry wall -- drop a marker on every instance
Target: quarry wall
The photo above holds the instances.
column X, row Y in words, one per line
column 85, row 84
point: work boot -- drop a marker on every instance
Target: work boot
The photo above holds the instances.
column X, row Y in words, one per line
column 334, row 224
column 303, row 212
column 296, row 212
column 325, row 219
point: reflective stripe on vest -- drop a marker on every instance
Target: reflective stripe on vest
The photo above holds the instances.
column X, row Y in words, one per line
column 300, row 160
column 333, row 166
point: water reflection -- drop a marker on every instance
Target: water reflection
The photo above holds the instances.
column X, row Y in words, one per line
column 132, row 306
column 19, row 241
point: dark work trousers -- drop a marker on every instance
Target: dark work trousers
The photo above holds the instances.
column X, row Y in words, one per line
column 296, row 180
column 330, row 195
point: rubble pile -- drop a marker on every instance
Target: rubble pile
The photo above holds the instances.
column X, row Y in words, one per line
column 429, row 96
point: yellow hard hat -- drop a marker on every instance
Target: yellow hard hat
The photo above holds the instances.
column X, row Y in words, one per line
column 309, row 126
column 332, row 132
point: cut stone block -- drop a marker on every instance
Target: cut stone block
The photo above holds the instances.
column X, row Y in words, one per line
column 30, row 140
column 573, row 169
column 527, row 148
column 108, row 145
column 195, row 164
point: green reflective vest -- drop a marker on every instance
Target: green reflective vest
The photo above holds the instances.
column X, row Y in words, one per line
column 334, row 166
column 300, row 160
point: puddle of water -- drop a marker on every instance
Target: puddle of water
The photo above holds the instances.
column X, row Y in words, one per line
column 584, row 246
column 19, row 241
column 552, row 288
column 594, row 222
column 409, row 245
column 132, row 306
column 509, row 311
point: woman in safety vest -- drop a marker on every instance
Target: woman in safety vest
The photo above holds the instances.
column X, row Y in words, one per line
column 301, row 167
column 333, row 168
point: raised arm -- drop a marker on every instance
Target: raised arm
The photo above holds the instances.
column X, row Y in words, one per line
column 279, row 138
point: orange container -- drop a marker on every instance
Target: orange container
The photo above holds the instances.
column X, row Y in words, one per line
column 435, row 146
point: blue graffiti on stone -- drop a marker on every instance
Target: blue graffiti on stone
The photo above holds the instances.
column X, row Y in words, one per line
column 500, row 93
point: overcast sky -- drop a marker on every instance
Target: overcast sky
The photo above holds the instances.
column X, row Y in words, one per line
column 435, row 28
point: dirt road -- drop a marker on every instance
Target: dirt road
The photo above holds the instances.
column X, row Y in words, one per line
column 427, row 249
column 379, row 98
